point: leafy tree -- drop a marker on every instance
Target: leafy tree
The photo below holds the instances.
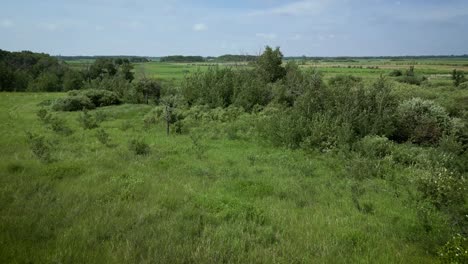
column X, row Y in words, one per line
column 45, row 82
column 72, row 80
column 269, row 64
column 148, row 89
column 458, row 77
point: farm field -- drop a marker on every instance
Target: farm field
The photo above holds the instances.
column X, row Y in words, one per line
column 366, row 68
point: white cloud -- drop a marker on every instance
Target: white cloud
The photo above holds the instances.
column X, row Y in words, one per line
column 266, row 35
column 6, row 23
column 200, row 27
column 305, row 7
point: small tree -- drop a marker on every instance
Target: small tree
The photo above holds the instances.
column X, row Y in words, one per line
column 148, row 88
column 458, row 77
column 269, row 64
column 170, row 103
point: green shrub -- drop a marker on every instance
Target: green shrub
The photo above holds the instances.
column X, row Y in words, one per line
column 374, row 147
column 73, row 103
column 40, row 147
column 59, row 126
column 455, row 250
column 361, row 168
column 415, row 80
column 43, row 115
column 395, row 73
column 87, row 120
column 101, row 97
column 443, row 188
column 103, row 137
column 421, row 121
column 139, row 147
column 463, row 86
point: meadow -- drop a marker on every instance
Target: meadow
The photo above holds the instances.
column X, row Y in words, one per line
column 238, row 201
column 331, row 162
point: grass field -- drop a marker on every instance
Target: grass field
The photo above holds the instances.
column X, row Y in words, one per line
column 209, row 200
column 435, row 68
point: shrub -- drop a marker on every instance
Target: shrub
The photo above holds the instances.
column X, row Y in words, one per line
column 139, row 147
column 463, row 86
column 443, row 188
column 421, row 121
column 87, row 120
column 415, row 80
column 455, row 250
column 374, row 147
column 59, row 126
column 40, row 147
column 43, row 115
column 395, row 73
column 101, row 97
column 103, row 137
column 73, row 103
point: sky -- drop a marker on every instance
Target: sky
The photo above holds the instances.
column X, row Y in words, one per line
column 213, row 28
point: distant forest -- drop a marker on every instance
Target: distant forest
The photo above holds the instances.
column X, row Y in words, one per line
column 249, row 58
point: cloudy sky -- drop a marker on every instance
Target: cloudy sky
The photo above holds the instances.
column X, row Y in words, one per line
column 209, row 27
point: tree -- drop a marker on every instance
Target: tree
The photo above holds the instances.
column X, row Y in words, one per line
column 72, row 80
column 458, row 77
column 125, row 69
column 269, row 64
column 102, row 68
column 46, row 82
column 148, row 89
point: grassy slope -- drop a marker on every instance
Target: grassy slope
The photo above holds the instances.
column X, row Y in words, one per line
column 240, row 201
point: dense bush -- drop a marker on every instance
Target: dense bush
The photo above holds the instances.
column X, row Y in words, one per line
column 73, row 103
column 421, row 121
column 374, row 147
column 40, row 147
column 101, row 97
column 87, row 120
column 139, row 147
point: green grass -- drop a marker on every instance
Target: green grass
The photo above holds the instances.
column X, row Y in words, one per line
column 232, row 201
column 435, row 68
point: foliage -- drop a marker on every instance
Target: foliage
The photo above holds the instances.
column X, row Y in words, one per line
column 73, row 103
column 455, row 250
column 87, row 120
column 46, row 82
column 269, row 64
column 40, row 147
column 99, row 98
column 147, row 89
column 103, row 137
column 458, row 77
column 421, row 121
column 139, row 147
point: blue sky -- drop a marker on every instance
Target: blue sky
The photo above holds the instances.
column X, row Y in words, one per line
column 208, row 27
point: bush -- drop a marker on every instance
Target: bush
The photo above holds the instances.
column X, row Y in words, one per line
column 40, row 147
column 463, row 86
column 103, row 137
column 455, row 250
column 415, row 80
column 443, row 188
column 87, row 120
column 73, row 103
column 374, row 147
column 139, row 147
column 101, row 97
column 59, row 126
column 421, row 121
column 395, row 73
